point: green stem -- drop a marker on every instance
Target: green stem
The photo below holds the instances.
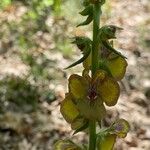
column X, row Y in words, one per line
column 92, row 138
column 95, row 50
column 95, row 54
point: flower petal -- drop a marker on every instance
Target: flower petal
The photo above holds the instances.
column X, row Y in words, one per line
column 78, row 86
column 117, row 67
column 106, row 142
column 68, row 109
column 109, row 91
column 92, row 110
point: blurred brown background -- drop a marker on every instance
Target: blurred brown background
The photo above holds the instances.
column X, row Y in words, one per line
column 35, row 46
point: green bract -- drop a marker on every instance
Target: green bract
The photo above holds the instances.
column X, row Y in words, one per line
column 84, row 44
column 85, row 102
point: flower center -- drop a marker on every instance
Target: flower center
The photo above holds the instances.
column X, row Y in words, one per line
column 118, row 127
column 92, row 94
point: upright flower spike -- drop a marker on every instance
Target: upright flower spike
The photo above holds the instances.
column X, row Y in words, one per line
column 84, row 104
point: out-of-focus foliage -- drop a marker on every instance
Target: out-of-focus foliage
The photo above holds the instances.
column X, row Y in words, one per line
column 4, row 3
column 18, row 92
column 32, row 19
column 21, row 33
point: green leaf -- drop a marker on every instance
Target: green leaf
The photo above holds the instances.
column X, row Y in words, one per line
column 87, row 21
column 66, row 145
column 86, row 53
column 87, row 11
column 109, row 47
column 106, row 142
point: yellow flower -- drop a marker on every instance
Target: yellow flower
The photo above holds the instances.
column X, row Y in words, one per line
column 117, row 66
column 87, row 96
column 114, row 64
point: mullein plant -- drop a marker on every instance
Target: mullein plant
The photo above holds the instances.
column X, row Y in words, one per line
column 84, row 104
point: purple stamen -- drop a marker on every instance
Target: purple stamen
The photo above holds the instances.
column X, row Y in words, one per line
column 92, row 94
column 118, row 127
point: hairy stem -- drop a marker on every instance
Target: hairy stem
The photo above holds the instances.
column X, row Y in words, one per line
column 95, row 53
